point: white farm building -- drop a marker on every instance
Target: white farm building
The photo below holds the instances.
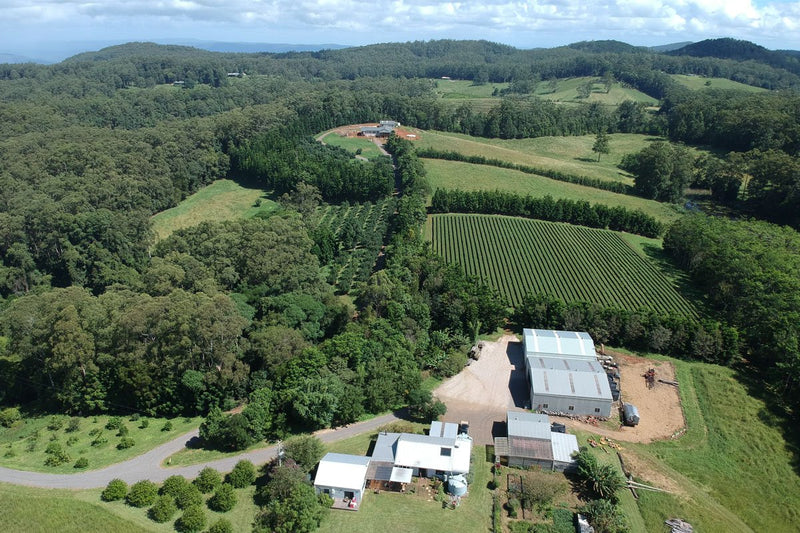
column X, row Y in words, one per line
column 564, row 374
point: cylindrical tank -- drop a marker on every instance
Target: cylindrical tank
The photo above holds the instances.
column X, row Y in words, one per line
column 457, row 485
column 630, row 413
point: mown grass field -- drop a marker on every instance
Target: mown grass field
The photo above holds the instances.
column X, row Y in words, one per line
column 23, row 446
column 698, row 83
column 517, row 256
column 221, row 200
column 571, row 155
column 468, row 177
column 352, row 144
column 567, row 91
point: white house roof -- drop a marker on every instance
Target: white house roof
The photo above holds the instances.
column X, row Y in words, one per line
column 433, row 453
column 564, row 445
column 575, row 344
column 343, row 471
column 530, row 425
column 568, row 383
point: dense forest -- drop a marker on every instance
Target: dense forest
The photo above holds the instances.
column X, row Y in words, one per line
column 96, row 316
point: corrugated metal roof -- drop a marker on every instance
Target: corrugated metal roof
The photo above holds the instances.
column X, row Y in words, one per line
column 524, row 424
column 530, row 448
column 577, row 344
column 564, row 363
column 342, row 471
column 450, row 430
column 564, row 445
column 568, row 383
column 436, row 429
column 385, row 447
column 424, row 451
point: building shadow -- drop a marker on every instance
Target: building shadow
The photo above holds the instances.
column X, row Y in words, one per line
column 517, row 383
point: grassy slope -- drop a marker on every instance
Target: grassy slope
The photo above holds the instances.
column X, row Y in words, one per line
column 698, row 83
column 352, row 144
column 464, row 176
column 567, row 154
column 567, row 91
column 221, row 200
column 18, row 438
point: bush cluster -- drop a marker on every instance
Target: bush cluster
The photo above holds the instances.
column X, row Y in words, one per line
column 142, row 494
column 115, row 490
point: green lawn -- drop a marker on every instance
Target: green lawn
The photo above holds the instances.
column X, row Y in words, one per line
column 221, row 200
column 571, row 155
column 416, row 512
column 468, row 177
column 567, row 91
column 698, row 83
column 466, row 89
column 353, row 144
column 23, row 446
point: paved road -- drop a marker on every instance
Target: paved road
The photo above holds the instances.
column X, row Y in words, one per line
column 148, row 465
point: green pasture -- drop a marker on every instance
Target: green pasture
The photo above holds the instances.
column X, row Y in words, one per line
column 468, row 177
column 572, row 155
column 221, row 200
column 567, row 91
column 698, row 83
column 23, row 446
column 517, row 256
column 368, row 148
column 466, row 89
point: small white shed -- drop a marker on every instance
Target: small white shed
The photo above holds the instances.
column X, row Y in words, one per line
column 342, row 477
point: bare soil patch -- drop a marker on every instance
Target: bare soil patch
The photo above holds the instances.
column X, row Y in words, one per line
column 659, row 408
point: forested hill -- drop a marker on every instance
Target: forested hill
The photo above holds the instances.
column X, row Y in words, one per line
column 740, row 51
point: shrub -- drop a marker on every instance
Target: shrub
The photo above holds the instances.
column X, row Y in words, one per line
column 114, row 422
column 9, row 416
column 10, row 452
column 55, row 423
column 208, row 480
column 188, row 496
column 242, row 475
column 167, row 426
column 173, row 486
column 193, row 519
column 224, row 499
column 55, row 455
column 82, row 462
column 125, row 443
column 123, row 431
column 134, row 417
column 99, row 441
column 144, row 424
column 142, row 494
column 72, row 440
column 74, row 424
column 163, row 509
column 115, row 490
column 95, row 432
column 563, row 520
column 221, row 526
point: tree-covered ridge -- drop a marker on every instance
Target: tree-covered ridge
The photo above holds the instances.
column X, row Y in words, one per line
column 728, row 48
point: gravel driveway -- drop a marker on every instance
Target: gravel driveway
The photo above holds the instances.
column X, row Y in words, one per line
column 485, row 390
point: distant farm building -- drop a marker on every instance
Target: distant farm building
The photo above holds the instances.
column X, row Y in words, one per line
column 564, row 374
column 531, row 442
column 383, row 129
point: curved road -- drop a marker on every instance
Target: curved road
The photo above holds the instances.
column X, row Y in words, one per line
column 148, row 465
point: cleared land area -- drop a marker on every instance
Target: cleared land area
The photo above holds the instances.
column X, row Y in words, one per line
column 24, row 444
column 369, row 150
column 518, row 256
column 469, row 177
column 567, row 92
column 698, row 83
column 572, row 155
column 221, row 200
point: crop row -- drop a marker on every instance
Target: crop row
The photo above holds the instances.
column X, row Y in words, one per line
column 519, row 256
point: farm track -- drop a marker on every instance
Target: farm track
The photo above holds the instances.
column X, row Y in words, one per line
column 518, row 256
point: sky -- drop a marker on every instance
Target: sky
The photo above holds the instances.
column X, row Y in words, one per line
column 28, row 26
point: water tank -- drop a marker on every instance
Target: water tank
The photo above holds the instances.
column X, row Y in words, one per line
column 630, row 413
column 457, row 485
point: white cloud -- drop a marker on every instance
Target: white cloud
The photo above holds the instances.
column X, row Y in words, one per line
column 350, row 21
